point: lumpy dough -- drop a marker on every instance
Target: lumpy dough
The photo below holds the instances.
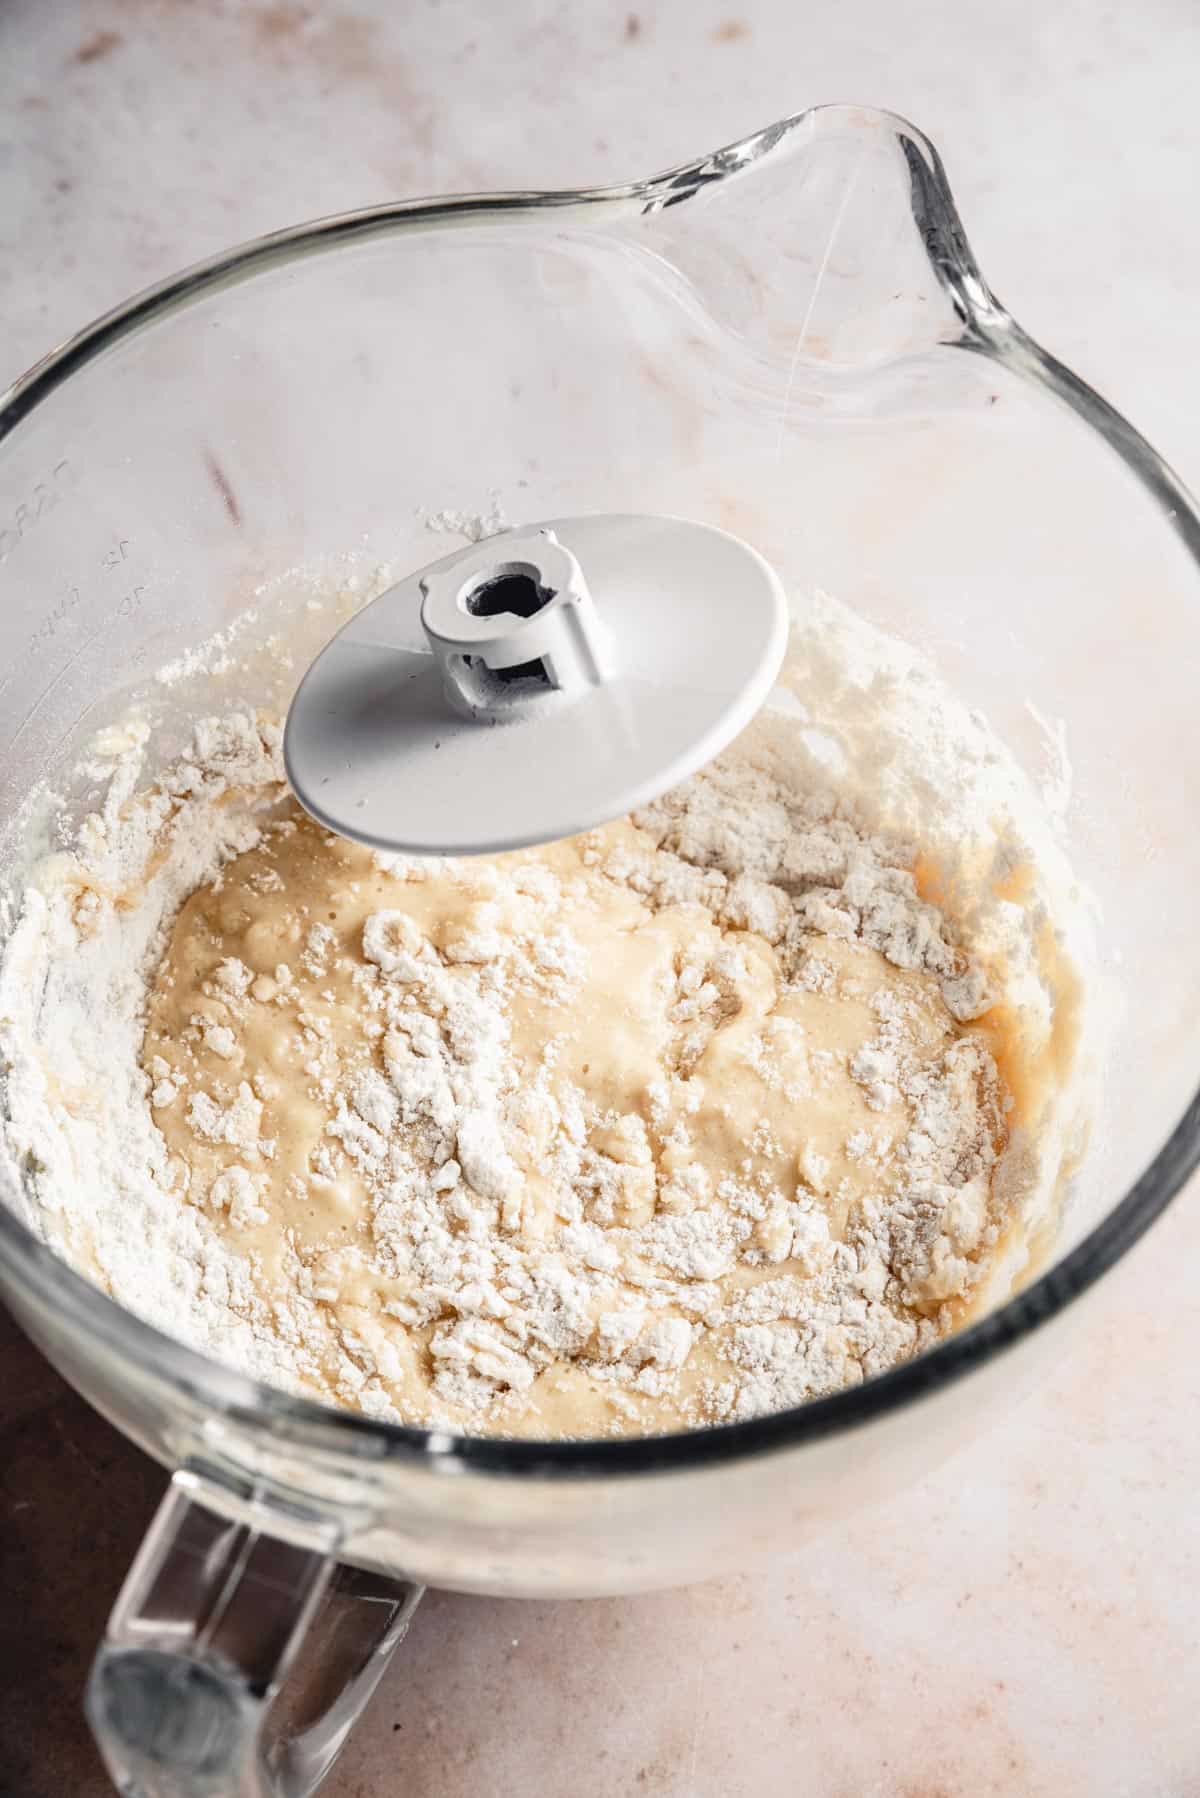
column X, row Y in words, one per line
column 585, row 1140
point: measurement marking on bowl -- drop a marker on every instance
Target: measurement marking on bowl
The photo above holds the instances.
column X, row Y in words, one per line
column 48, row 628
column 66, row 668
column 128, row 606
column 27, row 514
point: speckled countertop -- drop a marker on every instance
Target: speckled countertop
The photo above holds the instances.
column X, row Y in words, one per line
column 1023, row 1623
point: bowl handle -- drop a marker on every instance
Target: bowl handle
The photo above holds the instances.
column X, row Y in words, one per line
column 238, row 1654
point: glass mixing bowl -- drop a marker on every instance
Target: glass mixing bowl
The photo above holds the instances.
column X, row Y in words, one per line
column 789, row 338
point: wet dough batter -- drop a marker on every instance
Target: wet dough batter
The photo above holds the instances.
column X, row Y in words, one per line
column 592, row 1138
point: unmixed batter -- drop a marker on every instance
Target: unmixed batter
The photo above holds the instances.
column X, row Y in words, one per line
column 686, row 1120
column 678, row 1121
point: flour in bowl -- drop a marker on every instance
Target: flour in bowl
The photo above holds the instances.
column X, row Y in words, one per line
column 696, row 1116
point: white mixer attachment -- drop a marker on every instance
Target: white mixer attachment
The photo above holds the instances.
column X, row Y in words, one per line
column 535, row 684
column 510, row 622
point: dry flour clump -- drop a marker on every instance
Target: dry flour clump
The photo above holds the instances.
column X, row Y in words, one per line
column 690, row 1118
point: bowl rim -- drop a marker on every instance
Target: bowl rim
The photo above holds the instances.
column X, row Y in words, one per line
column 42, row 1281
